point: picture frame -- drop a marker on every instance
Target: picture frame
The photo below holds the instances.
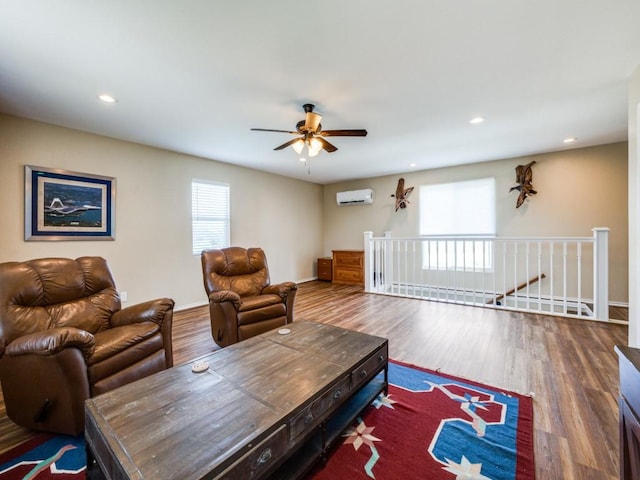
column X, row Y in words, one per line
column 65, row 205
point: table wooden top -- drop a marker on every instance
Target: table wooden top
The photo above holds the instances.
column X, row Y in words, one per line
column 186, row 424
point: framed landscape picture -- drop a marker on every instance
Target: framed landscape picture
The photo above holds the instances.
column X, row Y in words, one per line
column 63, row 205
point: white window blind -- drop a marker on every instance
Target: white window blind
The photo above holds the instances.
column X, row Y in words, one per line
column 210, row 217
column 458, row 209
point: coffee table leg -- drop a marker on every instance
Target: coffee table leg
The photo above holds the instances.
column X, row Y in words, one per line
column 93, row 470
column 386, row 379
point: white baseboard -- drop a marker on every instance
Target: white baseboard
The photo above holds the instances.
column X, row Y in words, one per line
column 190, row 305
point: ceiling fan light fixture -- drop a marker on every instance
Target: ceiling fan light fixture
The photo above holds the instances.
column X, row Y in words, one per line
column 298, row 146
column 315, row 146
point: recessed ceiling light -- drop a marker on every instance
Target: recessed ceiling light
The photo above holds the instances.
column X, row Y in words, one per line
column 412, row 165
column 569, row 139
column 475, row 120
column 107, row 98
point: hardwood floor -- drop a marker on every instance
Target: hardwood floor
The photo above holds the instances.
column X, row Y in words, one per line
column 568, row 365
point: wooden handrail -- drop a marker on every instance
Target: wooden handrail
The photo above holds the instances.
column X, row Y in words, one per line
column 535, row 279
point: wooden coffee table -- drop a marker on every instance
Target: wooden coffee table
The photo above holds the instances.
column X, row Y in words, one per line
column 268, row 406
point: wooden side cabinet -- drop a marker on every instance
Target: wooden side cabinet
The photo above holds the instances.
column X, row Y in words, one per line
column 348, row 267
column 629, row 362
column 325, row 268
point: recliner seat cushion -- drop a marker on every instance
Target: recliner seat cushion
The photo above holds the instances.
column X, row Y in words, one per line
column 262, row 314
column 121, row 360
column 259, row 301
column 117, row 340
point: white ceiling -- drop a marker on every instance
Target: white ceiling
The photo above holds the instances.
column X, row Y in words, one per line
column 195, row 75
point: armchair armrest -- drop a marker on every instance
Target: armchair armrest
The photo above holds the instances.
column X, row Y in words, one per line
column 282, row 289
column 151, row 311
column 222, row 296
column 54, row 340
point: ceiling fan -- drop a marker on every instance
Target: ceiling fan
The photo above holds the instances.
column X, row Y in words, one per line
column 311, row 134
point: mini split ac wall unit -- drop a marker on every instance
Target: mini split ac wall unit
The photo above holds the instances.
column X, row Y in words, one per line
column 355, row 197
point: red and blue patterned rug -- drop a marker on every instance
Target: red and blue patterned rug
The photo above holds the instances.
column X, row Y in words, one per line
column 45, row 456
column 437, row 427
column 428, row 426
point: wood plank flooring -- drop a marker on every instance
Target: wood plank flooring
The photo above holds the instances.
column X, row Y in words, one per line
column 568, row 365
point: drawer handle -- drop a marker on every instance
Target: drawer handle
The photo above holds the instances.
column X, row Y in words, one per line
column 337, row 394
column 363, row 373
column 381, row 358
column 265, row 456
column 308, row 418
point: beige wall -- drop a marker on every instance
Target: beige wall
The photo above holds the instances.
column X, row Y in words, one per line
column 577, row 190
column 151, row 255
column 634, row 209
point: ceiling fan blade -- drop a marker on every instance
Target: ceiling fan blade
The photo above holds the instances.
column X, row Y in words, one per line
column 272, row 130
column 326, row 145
column 285, row 145
column 344, row 133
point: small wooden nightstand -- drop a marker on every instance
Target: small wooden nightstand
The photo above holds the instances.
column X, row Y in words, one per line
column 325, row 268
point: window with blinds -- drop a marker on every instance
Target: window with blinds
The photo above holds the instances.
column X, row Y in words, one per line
column 458, row 209
column 210, row 217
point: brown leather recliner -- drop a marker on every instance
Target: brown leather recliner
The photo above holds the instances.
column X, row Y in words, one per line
column 242, row 303
column 64, row 338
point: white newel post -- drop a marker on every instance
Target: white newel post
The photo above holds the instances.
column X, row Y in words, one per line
column 368, row 262
column 601, row 273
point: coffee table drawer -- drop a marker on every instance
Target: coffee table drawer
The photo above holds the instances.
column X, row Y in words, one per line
column 260, row 458
column 319, row 409
column 371, row 367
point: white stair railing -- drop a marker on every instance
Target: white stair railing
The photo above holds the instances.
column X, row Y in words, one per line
column 561, row 275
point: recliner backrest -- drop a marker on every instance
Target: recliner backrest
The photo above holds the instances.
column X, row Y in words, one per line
column 56, row 292
column 240, row 270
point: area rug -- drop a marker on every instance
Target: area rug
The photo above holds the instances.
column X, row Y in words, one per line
column 45, row 456
column 436, row 426
column 429, row 425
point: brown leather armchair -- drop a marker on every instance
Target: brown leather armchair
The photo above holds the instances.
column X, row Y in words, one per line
column 242, row 303
column 64, row 338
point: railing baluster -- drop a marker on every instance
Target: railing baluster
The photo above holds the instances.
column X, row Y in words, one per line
column 564, row 277
column 527, row 248
column 515, row 274
column 579, row 255
column 381, row 266
column 494, row 254
column 539, row 276
column 504, row 274
column 483, row 244
column 552, row 291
